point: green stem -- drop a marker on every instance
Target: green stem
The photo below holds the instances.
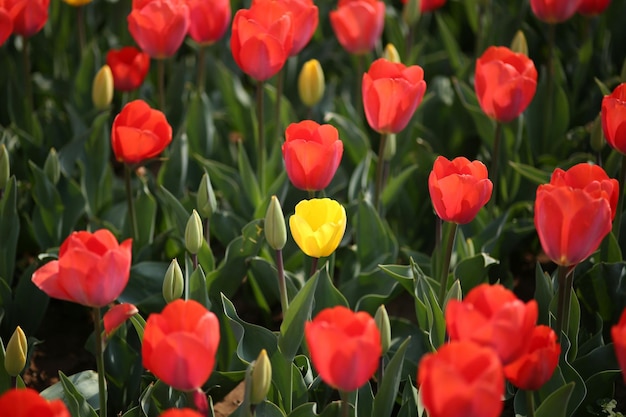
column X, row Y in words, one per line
column 563, row 304
column 260, row 166
column 530, row 403
column 495, row 158
column 100, row 361
column 443, row 279
column 280, row 80
column 200, row 69
column 132, row 216
column 549, row 84
column 80, row 22
column 161, row 83
column 345, row 405
column 311, row 194
column 314, row 265
column 28, row 85
column 207, row 232
column 360, row 69
column 620, row 202
column 378, row 190
column 282, row 285
column 194, row 260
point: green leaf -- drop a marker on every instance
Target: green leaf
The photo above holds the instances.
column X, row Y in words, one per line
column 172, row 207
column 401, row 273
column 388, row 390
column 473, row 271
column 9, row 230
column 199, row 123
column 197, row 287
column 249, row 180
column 146, row 209
column 535, row 175
column 173, row 172
column 553, row 406
column 373, row 243
column 543, row 294
column 326, row 294
column 453, row 51
column 5, row 378
column 74, row 397
column 395, row 186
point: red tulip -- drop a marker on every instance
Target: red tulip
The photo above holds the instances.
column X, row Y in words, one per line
column 312, row 153
column 535, row 367
column 180, row 343
column 505, row 83
column 592, row 7
column 182, row 412
column 391, row 94
column 618, row 334
column 554, row 11
column 614, row 118
column 159, row 26
column 488, row 316
column 458, row 188
column 358, row 24
column 129, row 67
column 6, row 25
column 139, row 133
column 92, row 269
column 345, row 347
column 591, row 178
column 571, row 223
column 208, row 20
column 304, row 15
column 428, row 5
column 117, row 315
column 28, row 403
column 461, row 379
column 28, row 16
column 262, row 37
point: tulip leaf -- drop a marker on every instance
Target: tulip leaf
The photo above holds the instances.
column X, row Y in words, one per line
column 199, row 123
column 9, row 230
column 543, row 294
column 374, row 245
column 600, row 386
column 535, row 175
column 411, row 406
column 48, row 212
column 133, row 412
column 174, row 209
column 197, row 287
column 248, row 179
column 5, row 378
column 304, row 410
column 139, row 323
column 173, row 173
column 553, row 406
column 395, row 186
column 388, row 389
column 600, row 359
column 74, row 398
column 146, row 209
column 573, row 327
column 473, row 271
column 401, row 273
column 453, row 50
column 355, row 141
column 145, row 286
column 299, row 311
column 326, row 294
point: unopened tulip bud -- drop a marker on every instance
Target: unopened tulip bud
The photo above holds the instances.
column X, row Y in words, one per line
column 384, row 327
column 194, row 233
column 205, row 198
column 261, row 378
column 275, row 228
column 52, row 167
column 597, row 135
column 15, row 355
column 102, row 88
column 174, row 283
column 116, row 316
column 391, row 53
column 5, row 167
column 390, row 147
column 411, row 12
column 311, row 83
column 519, row 43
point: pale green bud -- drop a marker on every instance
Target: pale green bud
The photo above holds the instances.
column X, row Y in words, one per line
column 102, row 88
column 205, row 198
column 52, row 167
column 261, row 378
column 275, row 228
column 384, row 327
column 519, row 43
column 391, row 53
column 194, row 233
column 390, row 147
column 411, row 11
column 311, row 83
column 15, row 355
column 174, row 283
column 5, row 166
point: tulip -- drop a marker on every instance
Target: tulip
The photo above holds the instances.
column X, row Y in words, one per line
column 318, row 226
column 345, row 347
column 77, row 3
column 590, row 178
column 274, row 226
column 102, row 88
column 488, row 316
column 15, row 355
column 180, row 343
column 208, row 20
column 519, row 44
column 28, row 16
column 592, row 7
column 391, row 94
column 458, row 188
column 28, row 403
column 52, row 166
column 304, row 15
column 194, row 233
column 554, row 11
column 472, row 377
column 311, row 83
column 262, row 37
column 536, row 366
column 205, row 198
column 117, row 315
column 139, row 133
column 384, row 326
column 618, row 334
column 428, row 5
column 505, row 83
column 129, row 67
column 312, row 153
column 391, row 53
column 180, row 412
column 6, row 25
column 614, row 118
column 358, row 24
column 92, row 269
column 173, row 283
column 571, row 223
column 261, row 378
column 159, row 26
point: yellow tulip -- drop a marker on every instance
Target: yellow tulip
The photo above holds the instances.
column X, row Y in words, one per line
column 311, row 83
column 318, row 226
column 102, row 88
column 15, row 356
column 77, row 2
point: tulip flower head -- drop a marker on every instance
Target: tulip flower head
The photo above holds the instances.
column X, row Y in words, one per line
column 28, row 16
column 311, row 83
column 304, row 15
column 458, row 188
column 180, row 343
column 614, row 118
column 592, row 7
column 428, row 5
column 618, row 334
column 28, row 403
column 488, row 316
column 318, row 226
column 505, row 83
column 554, row 11
column 345, row 347
column 129, row 67
column 180, row 412
column 139, row 133
column 472, row 377
column 208, row 20
column 77, row 3
column 92, row 269
column 391, row 93
column 312, row 153
column 6, row 25
column 116, row 316
column 358, row 24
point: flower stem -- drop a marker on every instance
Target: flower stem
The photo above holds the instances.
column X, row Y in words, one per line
column 28, row 85
column 443, row 279
column 97, row 318
column 161, row 81
column 345, row 405
column 314, row 266
column 282, row 285
column 563, row 304
column 260, row 166
column 495, row 158
column 132, row 216
column 549, row 84
column 530, row 403
column 280, row 80
column 620, row 203
column 380, row 180
column 200, row 69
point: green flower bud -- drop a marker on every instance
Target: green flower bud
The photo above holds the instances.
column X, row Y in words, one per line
column 390, row 147
column 205, row 198
column 275, row 228
column 519, row 43
column 391, row 53
column 261, row 378
column 597, row 135
column 411, row 11
column 52, row 167
column 102, row 88
column 15, row 356
column 311, row 83
column 382, row 321
column 5, row 167
column 173, row 284
column 194, row 233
